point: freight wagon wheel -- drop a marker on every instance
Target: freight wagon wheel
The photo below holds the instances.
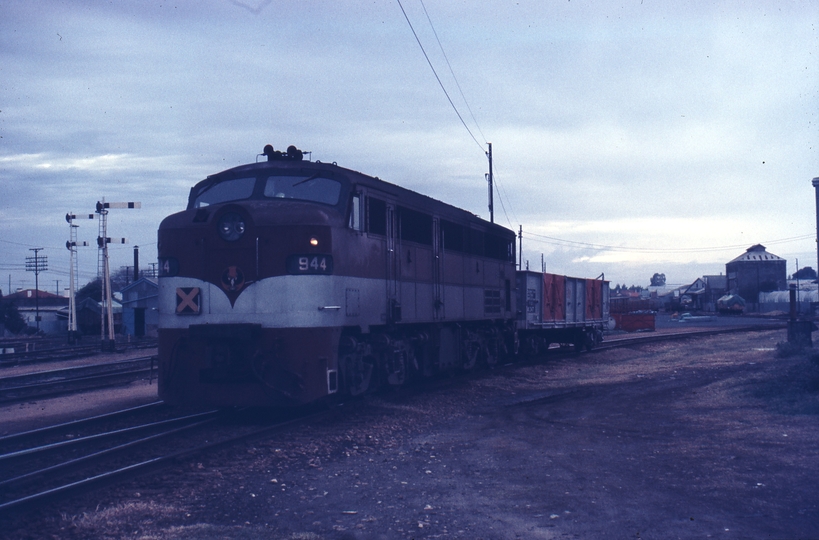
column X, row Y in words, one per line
column 591, row 340
column 579, row 343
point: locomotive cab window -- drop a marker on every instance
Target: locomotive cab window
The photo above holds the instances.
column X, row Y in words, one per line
column 355, row 212
column 235, row 189
column 377, row 216
column 312, row 188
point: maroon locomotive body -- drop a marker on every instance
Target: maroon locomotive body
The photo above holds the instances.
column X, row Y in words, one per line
column 286, row 280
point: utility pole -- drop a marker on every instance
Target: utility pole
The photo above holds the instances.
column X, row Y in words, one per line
column 520, row 249
column 36, row 264
column 489, row 179
column 815, row 183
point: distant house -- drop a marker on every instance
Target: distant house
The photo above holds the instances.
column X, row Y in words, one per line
column 756, row 271
column 29, row 301
column 89, row 317
column 139, row 308
column 702, row 295
column 691, row 297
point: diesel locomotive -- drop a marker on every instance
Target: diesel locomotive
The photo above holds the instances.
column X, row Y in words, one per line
column 286, row 280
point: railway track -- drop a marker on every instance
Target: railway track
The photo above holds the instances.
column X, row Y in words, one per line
column 624, row 340
column 78, row 457
column 14, row 353
column 61, row 459
column 83, row 455
column 75, row 379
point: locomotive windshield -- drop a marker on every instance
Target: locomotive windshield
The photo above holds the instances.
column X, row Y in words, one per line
column 313, row 188
column 304, row 187
column 228, row 190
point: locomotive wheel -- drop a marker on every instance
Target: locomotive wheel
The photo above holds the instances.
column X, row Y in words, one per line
column 358, row 373
column 471, row 352
column 533, row 345
column 398, row 368
column 491, row 352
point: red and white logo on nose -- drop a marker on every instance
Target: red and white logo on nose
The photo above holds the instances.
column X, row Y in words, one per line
column 233, row 279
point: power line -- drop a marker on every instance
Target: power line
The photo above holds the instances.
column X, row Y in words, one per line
column 601, row 247
column 498, row 186
column 451, row 71
column 441, row 84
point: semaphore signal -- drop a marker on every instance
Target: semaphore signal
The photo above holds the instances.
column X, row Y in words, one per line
column 107, row 314
column 72, row 245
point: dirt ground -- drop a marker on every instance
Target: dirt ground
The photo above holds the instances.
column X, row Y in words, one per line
column 703, row 438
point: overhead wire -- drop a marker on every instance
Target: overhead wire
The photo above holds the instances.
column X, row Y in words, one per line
column 451, row 71
column 440, row 83
column 497, row 184
column 627, row 249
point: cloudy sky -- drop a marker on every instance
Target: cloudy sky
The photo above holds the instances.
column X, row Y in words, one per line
column 629, row 137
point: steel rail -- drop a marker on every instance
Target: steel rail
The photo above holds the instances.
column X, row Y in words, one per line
column 49, row 351
column 154, row 463
column 102, row 436
column 68, row 380
column 79, row 422
column 651, row 337
column 102, row 453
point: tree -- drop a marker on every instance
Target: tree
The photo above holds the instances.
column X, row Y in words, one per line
column 92, row 290
column 805, row 273
column 658, row 280
column 10, row 317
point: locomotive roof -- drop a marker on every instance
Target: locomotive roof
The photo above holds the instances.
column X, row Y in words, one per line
column 406, row 196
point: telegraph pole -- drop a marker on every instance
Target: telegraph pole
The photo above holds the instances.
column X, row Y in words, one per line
column 489, row 179
column 815, row 183
column 37, row 264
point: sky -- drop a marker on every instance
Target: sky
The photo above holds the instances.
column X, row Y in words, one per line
column 629, row 137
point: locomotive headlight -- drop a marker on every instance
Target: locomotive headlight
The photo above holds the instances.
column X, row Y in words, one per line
column 231, row 226
column 313, row 241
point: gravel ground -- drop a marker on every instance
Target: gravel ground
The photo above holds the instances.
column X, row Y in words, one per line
column 702, row 438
